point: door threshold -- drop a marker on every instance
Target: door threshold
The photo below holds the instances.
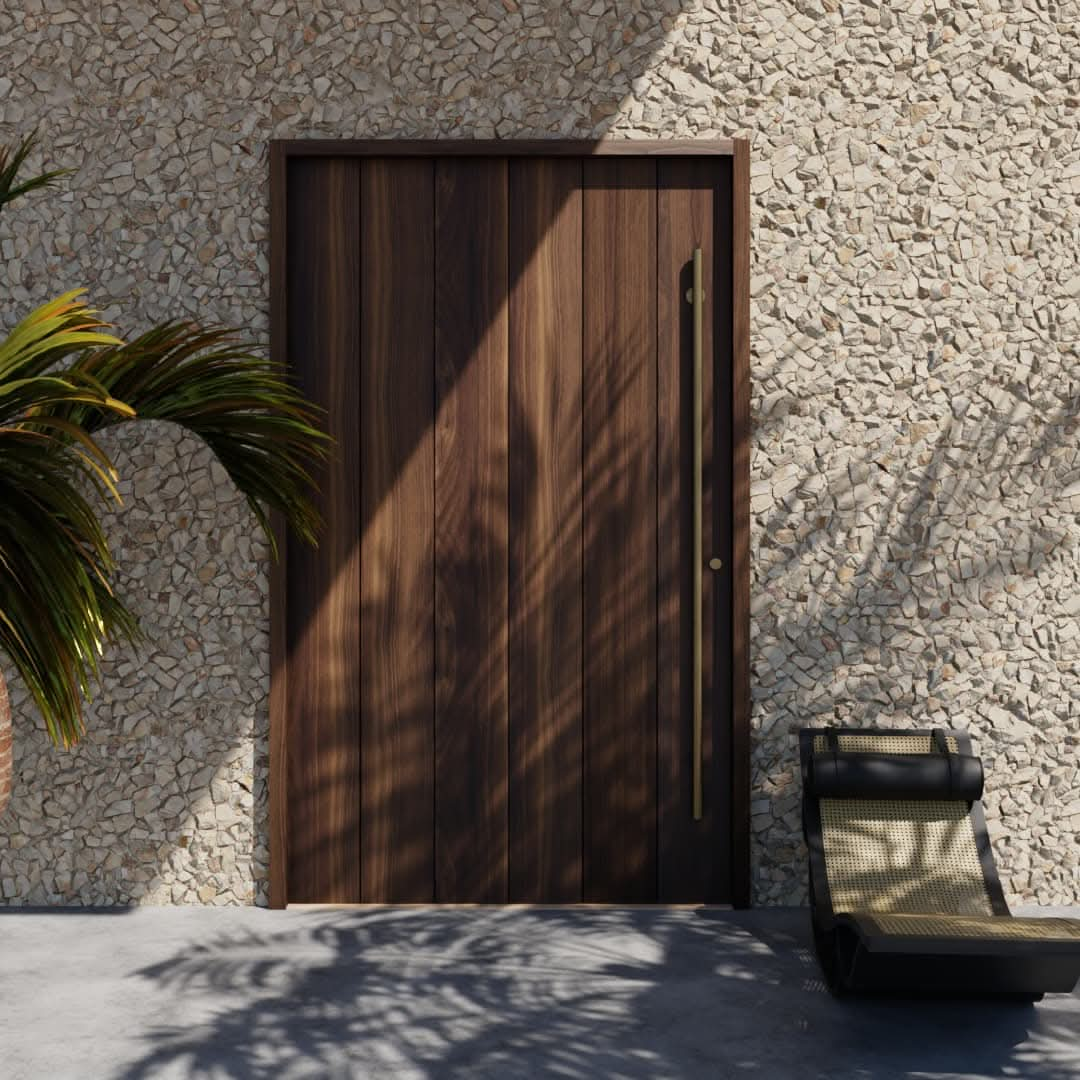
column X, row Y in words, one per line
column 527, row 907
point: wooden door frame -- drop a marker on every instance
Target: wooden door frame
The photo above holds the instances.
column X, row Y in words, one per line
column 281, row 151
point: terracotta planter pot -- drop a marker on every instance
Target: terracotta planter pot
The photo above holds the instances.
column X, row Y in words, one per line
column 5, row 746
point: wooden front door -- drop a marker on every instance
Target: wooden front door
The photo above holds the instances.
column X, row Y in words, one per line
column 484, row 676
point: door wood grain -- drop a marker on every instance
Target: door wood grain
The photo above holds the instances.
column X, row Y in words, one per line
column 480, row 685
column 545, row 505
column 619, row 423
column 471, row 543
column 692, row 866
column 323, row 739
column 397, row 568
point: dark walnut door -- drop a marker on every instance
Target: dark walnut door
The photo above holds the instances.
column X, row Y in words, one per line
column 506, row 674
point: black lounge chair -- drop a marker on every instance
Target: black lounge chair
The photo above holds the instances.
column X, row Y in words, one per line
column 904, row 894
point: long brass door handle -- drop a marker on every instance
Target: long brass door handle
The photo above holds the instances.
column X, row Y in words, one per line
column 697, row 298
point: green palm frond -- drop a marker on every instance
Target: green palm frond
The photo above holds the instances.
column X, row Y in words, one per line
column 27, row 394
column 10, row 163
column 56, row 606
column 49, row 333
column 259, row 426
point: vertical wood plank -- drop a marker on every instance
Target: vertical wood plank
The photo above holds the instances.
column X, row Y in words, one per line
column 397, row 508
column 545, row 671
column 323, row 615
column 693, row 855
column 740, row 499
column 471, row 547
column 620, row 529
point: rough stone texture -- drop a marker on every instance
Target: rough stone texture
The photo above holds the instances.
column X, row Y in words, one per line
column 916, row 307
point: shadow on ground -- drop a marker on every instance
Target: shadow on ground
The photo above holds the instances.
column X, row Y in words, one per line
column 482, row 992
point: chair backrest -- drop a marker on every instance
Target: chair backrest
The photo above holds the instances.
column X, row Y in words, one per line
column 874, row 847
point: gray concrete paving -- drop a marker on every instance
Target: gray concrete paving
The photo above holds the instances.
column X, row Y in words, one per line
column 216, row 992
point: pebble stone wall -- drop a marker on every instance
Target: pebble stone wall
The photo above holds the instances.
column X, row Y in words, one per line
column 916, row 379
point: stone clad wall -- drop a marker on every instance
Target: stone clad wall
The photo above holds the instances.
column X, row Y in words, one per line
column 916, row 378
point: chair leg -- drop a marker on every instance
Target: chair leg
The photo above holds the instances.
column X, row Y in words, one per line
column 826, row 946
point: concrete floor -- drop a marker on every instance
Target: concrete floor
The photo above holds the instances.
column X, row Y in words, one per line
column 216, row 992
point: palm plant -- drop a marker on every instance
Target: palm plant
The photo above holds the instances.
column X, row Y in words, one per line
column 63, row 379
